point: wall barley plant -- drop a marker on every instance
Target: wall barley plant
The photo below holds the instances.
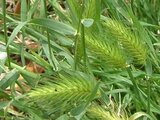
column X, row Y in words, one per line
column 108, row 53
column 97, row 112
column 63, row 94
column 130, row 42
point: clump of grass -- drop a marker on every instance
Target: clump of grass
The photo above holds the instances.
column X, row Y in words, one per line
column 69, row 94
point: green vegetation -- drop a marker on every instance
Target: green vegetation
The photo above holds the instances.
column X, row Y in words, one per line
column 80, row 60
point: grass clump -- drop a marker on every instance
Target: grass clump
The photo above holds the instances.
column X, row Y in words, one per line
column 70, row 60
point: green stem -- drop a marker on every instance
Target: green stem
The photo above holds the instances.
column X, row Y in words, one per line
column 5, row 32
column 22, row 49
column 135, row 87
column 132, row 5
column 133, row 81
column 76, row 40
column 76, row 47
column 24, row 7
column 149, row 95
column 83, row 43
column 48, row 36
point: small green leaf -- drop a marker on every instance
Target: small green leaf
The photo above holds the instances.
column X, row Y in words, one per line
column 87, row 22
column 9, row 78
column 3, row 104
column 78, row 110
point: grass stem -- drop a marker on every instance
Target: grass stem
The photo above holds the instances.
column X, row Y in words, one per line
column 5, row 32
column 149, row 95
column 135, row 86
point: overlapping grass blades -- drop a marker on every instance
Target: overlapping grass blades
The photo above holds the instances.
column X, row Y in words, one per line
column 108, row 53
column 130, row 42
column 63, row 94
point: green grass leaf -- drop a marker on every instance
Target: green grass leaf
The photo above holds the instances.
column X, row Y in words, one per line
column 15, row 32
column 9, row 79
column 56, row 26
